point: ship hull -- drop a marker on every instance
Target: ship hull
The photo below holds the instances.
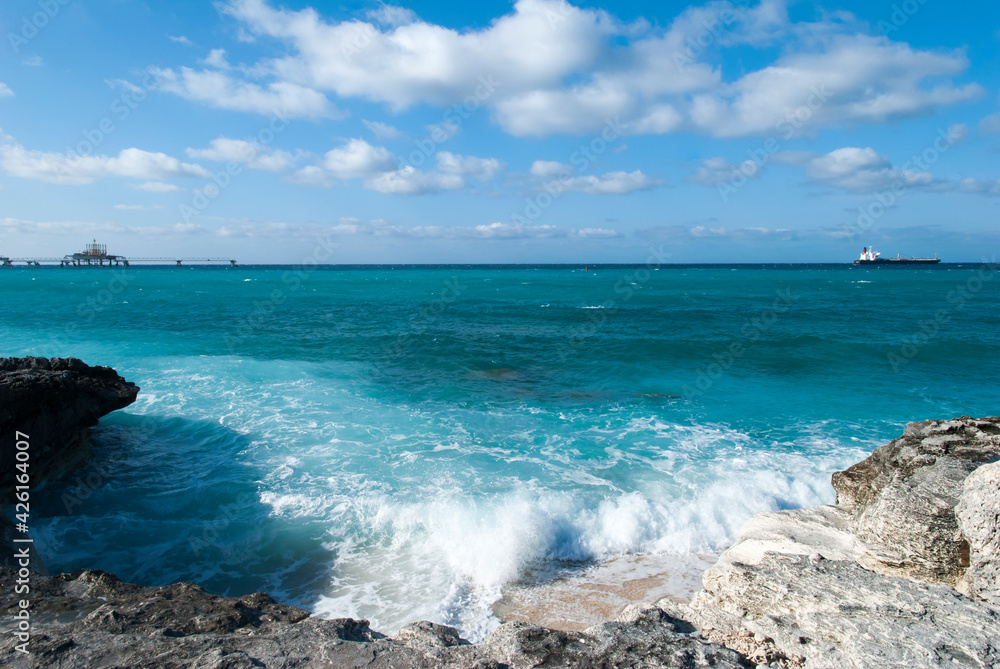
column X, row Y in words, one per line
column 899, row 261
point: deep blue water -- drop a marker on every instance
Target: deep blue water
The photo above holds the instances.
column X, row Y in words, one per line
column 398, row 443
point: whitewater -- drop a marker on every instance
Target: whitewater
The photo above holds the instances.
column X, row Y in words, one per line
column 408, row 443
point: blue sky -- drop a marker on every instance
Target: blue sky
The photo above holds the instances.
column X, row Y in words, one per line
column 539, row 131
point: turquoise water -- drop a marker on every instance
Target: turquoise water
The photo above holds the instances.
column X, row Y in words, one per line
column 400, row 443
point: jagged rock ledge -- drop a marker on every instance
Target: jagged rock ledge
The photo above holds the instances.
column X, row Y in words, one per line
column 91, row 619
column 902, row 572
column 55, row 402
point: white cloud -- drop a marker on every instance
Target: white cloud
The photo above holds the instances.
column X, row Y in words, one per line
column 380, row 171
column 383, row 130
column 487, row 231
column 990, row 123
column 680, row 233
column 582, row 108
column 850, row 78
column 979, row 186
column 5, row 91
column 223, row 149
column 700, row 231
column 411, row 181
column 181, row 39
column 391, row 15
column 217, row 58
column 549, row 67
column 32, row 61
column 218, row 89
column 442, row 132
column 483, row 169
column 405, row 64
column 157, row 187
column 718, row 170
column 957, row 132
column 313, row 175
column 75, row 169
column 76, row 228
column 553, row 175
column 357, row 159
column 612, row 183
column 863, row 171
column 549, row 168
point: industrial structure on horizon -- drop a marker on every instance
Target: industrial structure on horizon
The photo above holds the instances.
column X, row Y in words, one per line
column 96, row 255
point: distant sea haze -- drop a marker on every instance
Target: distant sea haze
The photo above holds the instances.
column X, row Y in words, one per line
column 405, row 443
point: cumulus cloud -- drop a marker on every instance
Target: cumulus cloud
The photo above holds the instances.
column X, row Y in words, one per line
column 718, row 170
column 405, row 63
column 391, row 15
column 990, row 123
column 549, row 67
column 411, row 181
column 314, row 175
column 849, row 78
column 612, row 183
column 383, row 130
column 379, row 170
column 863, row 170
column 483, row 169
column 552, row 175
column 217, row 58
column 219, row 89
column 75, row 169
column 982, row 187
column 180, row 39
column 549, row 168
column 357, row 159
column 224, row 149
column 5, row 91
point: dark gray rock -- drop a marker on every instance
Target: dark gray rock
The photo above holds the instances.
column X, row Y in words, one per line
column 91, row 619
column 54, row 401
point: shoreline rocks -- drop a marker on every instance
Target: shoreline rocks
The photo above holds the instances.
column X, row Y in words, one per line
column 868, row 582
column 92, row 619
column 901, row 572
column 903, row 497
column 54, row 401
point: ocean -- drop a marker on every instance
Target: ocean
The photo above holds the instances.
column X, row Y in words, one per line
column 407, row 443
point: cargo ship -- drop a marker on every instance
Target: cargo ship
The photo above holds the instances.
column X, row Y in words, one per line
column 870, row 257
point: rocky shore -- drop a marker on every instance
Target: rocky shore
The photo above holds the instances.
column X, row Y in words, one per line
column 55, row 401
column 901, row 572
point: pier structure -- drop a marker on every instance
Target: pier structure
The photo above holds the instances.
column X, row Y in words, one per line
column 96, row 255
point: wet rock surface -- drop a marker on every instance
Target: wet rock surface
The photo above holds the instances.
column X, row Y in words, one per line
column 54, row 401
column 866, row 583
column 91, row 619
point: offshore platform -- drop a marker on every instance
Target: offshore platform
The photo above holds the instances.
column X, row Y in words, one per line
column 96, row 255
